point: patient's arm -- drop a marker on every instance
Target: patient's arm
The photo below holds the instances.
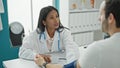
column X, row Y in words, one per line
column 54, row 66
column 78, row 65
column 39, row 60
column 59, row 66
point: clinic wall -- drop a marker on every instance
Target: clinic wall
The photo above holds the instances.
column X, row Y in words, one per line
column 57, row 4
column 7, row 52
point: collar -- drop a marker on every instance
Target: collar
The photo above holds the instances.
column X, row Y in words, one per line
column 116, row 35
column 47, row 35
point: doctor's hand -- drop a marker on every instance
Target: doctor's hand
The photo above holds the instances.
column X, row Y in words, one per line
column 46, row 57
column 39, row 60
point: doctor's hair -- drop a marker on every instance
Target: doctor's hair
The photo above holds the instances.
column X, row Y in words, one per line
column 113, row 6
column 43, row 15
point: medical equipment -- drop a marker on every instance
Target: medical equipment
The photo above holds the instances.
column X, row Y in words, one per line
column 56, row 56
column 43, row 35
column 16, row 33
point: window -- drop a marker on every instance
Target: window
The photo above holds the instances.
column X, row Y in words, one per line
column 26, row 12
column 37, row 5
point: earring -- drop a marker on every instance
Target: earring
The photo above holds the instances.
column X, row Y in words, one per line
column 44, row 24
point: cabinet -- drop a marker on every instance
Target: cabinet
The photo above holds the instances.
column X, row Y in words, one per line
column 81, row 16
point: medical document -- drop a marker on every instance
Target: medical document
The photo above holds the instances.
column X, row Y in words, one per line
column 58, row 57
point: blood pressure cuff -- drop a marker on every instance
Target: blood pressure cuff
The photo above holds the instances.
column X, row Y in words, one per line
column 71, row 65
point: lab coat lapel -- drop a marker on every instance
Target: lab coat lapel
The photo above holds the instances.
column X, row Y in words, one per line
column 46, row 40
column 43, row 43
column 55, row 42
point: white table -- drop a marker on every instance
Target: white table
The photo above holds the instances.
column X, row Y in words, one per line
column 19, row 63
column 81, row 50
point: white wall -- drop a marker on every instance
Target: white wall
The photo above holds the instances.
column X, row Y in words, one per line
column 64, row 16
column 37, row 5
column 20, row 11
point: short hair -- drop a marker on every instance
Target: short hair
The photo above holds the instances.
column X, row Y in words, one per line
column 113, row 6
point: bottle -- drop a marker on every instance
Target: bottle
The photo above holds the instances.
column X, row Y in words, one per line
column 92, row 2
column 74, row 6
column 83, row 3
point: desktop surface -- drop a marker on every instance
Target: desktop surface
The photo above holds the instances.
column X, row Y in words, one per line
column 19, row 63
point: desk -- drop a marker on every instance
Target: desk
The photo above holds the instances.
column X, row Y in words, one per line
column 21, row 63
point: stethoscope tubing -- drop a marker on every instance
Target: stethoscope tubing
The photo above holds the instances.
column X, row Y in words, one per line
column 43, row 34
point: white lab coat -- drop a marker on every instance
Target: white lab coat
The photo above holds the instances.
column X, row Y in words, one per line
column 33, row 45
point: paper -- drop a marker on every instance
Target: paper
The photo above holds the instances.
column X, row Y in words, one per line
column 1, row 7
column 0, row 24
column 58, row 57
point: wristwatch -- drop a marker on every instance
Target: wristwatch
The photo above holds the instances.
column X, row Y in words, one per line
column 44, row 65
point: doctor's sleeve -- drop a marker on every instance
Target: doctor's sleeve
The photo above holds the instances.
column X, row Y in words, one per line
column 26, row 51
column 72, row 49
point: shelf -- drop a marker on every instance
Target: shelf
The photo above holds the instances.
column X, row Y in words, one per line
column 83, row 11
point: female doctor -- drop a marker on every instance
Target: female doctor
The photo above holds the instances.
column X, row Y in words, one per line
column 50, row 36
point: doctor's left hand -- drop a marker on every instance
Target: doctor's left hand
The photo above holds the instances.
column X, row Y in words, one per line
column 39, row 60
column 46, row 57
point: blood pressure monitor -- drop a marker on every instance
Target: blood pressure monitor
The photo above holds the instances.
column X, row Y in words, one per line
column 16, row 33
column 16, row 28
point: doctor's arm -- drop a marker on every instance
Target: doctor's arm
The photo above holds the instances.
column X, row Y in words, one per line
column 72, row 49
column 28, row 51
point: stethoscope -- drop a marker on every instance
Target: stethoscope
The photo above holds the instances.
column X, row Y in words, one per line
column 44, row 36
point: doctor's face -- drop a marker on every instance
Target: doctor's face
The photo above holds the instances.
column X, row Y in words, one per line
column 52, row 20
column 102, row 18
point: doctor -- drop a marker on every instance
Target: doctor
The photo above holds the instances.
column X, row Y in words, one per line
column 50, row 36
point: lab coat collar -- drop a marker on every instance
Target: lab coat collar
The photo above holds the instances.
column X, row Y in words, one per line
column 48, row 37
column 116, row 35
column 55, row 39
